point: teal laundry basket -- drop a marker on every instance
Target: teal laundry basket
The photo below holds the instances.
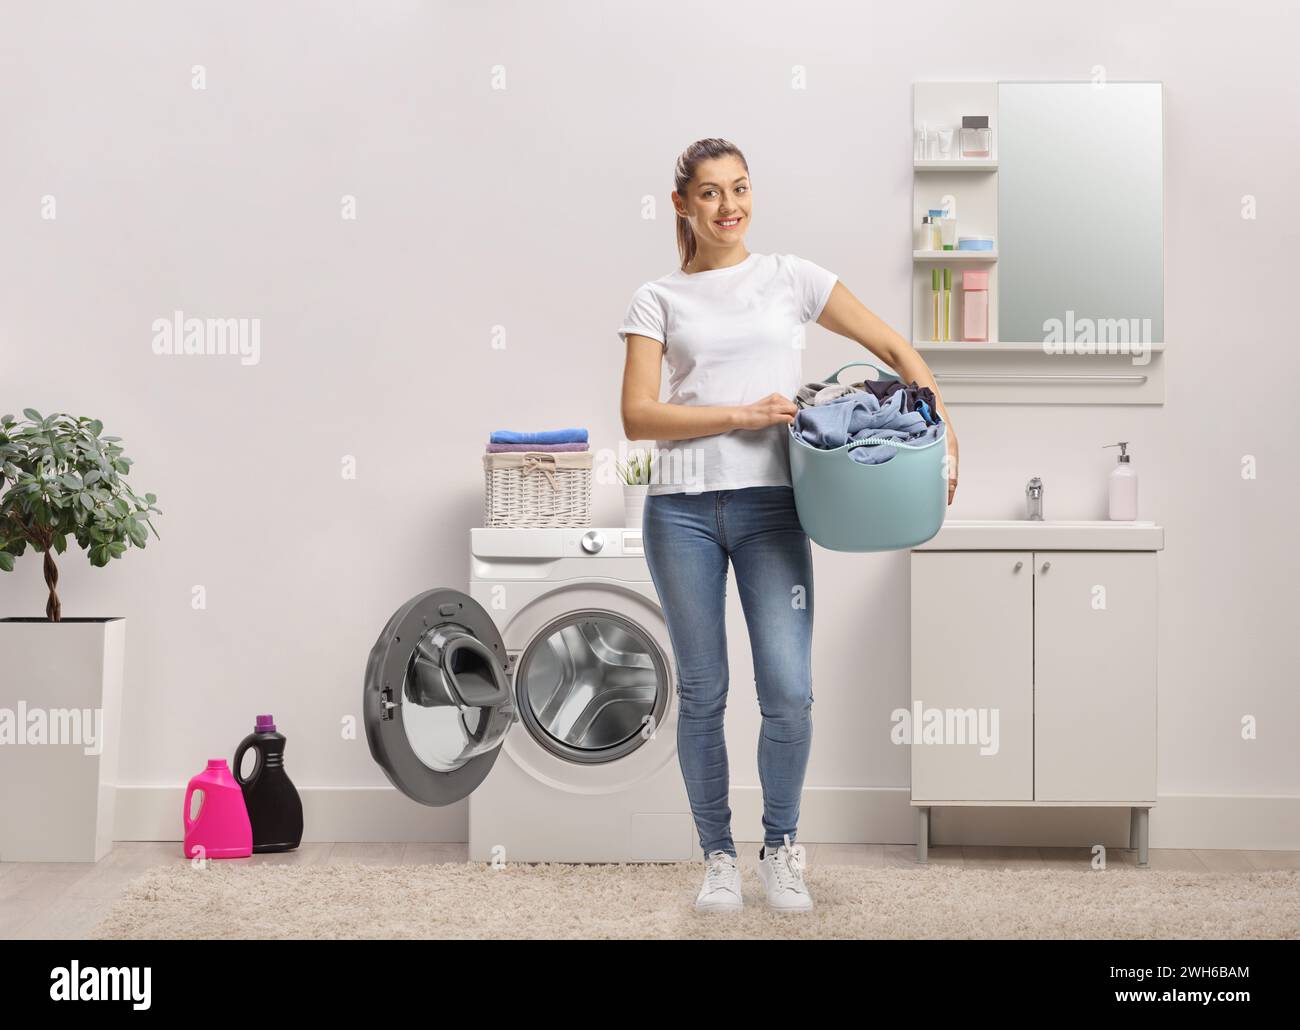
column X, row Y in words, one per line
column 845, row 505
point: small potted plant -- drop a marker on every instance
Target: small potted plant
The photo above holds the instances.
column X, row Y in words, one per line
column 636, row 482
column 61, row 480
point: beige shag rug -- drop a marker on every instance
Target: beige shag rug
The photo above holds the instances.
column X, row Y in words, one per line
column 465, row 901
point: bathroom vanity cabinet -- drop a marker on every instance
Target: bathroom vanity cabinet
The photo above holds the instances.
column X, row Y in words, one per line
column 1034, row 668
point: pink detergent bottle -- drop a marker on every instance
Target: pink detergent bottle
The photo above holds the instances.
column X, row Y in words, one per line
column 221, row 828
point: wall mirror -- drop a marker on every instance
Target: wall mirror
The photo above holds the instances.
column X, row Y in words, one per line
column 1080, row 208
column 1038, row 247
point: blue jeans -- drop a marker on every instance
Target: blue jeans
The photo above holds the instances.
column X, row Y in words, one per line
column 688, row 540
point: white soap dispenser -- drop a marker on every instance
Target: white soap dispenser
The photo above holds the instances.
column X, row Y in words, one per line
column 1123, row 486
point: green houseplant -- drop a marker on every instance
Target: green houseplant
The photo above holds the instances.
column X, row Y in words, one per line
column 61, row 478
column 636, row 477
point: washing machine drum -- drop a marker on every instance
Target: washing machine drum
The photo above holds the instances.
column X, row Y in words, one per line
column 437, row 701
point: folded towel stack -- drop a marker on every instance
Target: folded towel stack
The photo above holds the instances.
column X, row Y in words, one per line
column 501, row 448
column 503, row 440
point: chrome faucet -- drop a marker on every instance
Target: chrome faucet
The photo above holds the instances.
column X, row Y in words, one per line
column 1034, row 500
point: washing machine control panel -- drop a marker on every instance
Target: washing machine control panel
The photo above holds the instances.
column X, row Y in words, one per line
column 608, row 543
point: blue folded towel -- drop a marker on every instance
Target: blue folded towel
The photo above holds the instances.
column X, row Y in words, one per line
column 545, row 436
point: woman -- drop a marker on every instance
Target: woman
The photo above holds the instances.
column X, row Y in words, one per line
column 730, row 325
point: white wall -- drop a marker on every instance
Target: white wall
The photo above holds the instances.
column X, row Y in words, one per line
column 523, row 208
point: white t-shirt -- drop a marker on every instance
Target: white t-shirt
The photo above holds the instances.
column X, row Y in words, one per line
column 731, row 336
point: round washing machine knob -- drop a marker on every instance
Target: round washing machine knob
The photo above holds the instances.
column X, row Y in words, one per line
column 592, row 541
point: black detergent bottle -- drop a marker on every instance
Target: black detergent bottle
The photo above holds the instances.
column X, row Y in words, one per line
column 274, row 808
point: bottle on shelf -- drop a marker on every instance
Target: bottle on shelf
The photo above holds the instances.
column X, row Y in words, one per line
column 926, row 241
column 936, row 319
column 947, row 304
column 975, row 305
column 936, row 238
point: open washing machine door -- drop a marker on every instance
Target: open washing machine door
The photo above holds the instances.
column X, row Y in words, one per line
column 437, row 698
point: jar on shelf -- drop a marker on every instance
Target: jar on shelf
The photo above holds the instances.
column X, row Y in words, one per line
column 926, row 239
column 976, row 136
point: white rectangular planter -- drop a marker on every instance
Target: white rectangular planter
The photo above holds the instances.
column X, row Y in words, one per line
column 634, row 495
column 60, row 715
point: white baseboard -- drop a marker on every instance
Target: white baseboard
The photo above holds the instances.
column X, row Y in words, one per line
column 849, row 815
column 329, row 814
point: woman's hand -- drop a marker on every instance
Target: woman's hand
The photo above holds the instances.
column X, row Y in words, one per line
column 769, row 411
column 951, row 463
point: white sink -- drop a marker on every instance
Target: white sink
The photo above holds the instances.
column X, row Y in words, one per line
column 1047, row 535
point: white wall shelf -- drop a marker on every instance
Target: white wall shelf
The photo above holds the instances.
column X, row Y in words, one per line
column 973, row 372
column 961, row 164
column 1003, row 347
column 957, row 257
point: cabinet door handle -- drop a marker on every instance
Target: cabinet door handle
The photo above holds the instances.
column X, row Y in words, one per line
column 1019, row 565
column 1046, row 565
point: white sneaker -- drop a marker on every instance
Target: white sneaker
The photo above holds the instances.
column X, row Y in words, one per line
column 782, row 874
column 721, row 890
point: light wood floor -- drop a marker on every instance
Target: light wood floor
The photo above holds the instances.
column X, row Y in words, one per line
column 66, row 900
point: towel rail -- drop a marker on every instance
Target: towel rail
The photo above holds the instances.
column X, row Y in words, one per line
column 1001, row 377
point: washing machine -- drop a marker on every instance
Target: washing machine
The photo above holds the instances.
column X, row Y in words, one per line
column 546, row 696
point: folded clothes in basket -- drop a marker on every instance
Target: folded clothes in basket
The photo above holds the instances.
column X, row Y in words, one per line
column 545, row 436
column 502, row 448
column 860, row 415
